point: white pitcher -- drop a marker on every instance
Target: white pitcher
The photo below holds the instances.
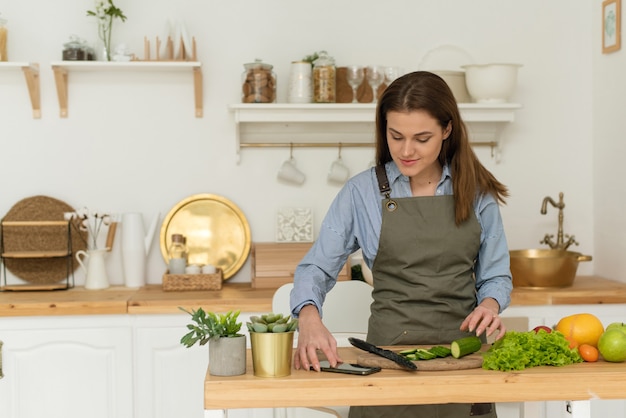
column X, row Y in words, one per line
column 136, row 245
column 95, row 270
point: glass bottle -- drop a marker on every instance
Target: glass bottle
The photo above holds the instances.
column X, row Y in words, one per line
column 3, row 40
column 177, row 253
column 324, row 79
column 258, row 83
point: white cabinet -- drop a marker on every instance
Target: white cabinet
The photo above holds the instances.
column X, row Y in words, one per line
column 169, row 377
column 66, row 367
column 118, row 366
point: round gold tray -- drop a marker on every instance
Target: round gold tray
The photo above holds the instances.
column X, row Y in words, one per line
column 217, row 232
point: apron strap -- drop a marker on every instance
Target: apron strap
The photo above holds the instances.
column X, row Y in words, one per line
column 383, row 182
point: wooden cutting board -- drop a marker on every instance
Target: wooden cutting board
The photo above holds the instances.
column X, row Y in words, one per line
column 472, row 361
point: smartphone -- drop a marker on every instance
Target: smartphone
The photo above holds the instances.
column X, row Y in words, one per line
column 348, row 368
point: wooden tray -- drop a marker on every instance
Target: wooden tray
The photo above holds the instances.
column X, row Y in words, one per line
column 472, row 361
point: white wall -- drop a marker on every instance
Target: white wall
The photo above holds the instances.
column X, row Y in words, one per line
column 609, row 125
column 131, row 142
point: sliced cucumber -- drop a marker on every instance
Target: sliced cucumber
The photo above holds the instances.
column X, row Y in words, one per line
column 464, row 346
column 407, row 352
column 424, row 354
column 440, row 351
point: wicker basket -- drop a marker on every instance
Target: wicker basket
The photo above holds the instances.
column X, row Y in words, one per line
column 181, row 282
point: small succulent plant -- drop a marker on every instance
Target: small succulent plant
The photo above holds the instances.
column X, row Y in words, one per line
column 209, row 325
column 272, row 322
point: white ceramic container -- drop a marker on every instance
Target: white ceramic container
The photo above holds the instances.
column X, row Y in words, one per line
column 491, row 83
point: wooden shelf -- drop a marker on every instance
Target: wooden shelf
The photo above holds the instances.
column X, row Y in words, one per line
column 283, row 124
column 31, row 74
column 63, row 68
column 35, row 254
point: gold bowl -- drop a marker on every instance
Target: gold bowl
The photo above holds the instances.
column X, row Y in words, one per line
column 545, row 268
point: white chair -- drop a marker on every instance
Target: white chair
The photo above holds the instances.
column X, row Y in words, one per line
column 346, row 312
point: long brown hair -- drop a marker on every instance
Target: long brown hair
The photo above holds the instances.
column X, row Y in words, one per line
column 422, row 90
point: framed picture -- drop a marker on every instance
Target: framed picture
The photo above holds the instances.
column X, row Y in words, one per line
column 611, row 25
column 294, row 225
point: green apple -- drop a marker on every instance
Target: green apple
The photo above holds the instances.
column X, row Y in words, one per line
column 616, row 325
column 612, row 345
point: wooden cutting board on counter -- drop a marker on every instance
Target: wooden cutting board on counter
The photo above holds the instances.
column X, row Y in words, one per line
column 472, row 361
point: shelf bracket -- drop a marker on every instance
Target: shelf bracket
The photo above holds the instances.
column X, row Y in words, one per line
column 60, row 78
column 31, row 73
column 197, row 86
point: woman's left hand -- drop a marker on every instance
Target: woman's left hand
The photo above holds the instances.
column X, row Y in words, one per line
column 485, row 318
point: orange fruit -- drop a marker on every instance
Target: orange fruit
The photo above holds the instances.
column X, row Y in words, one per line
column 583, row 328
column 588, row 352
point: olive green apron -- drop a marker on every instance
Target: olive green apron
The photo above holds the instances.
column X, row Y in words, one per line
column 423, row 287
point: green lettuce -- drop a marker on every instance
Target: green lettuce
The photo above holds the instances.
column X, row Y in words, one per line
column 521, row 350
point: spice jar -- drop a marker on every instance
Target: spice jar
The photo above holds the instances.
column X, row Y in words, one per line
column 324, row 79
column 3, row 40
column 258, row 83
column 73, row 50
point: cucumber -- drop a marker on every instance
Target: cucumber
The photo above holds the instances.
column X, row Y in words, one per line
column 407, row 352
column 424, row 354
column 440, row 351
column 465, row 346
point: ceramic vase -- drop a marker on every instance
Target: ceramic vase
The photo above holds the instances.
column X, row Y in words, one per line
column 227, row 356
column 135, row 248
column 271, row 353
column 92, row 262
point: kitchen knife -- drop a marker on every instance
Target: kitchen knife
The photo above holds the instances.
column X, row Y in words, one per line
column 371, row 348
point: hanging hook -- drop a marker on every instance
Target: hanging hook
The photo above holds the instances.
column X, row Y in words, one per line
column 291, row 150
column 340, row 150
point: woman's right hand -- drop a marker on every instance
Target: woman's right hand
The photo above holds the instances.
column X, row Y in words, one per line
column 313, row 336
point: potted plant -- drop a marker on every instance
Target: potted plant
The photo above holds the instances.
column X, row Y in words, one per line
column 227, row 347
column 271, row 341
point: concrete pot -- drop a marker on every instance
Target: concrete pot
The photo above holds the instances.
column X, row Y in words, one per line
column 227, row 356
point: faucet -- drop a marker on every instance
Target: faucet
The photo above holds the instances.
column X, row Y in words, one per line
column 559, row 244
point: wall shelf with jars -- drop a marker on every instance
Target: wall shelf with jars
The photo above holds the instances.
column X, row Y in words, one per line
column 31, row 74
column 63, row 68
column 351, row 125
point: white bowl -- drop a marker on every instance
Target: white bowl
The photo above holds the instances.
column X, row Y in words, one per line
column 491, row 83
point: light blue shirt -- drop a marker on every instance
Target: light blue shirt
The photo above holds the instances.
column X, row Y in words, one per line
column 354, row 220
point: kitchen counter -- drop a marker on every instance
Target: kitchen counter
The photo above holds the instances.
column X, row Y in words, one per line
column 577, row 382
column 152, row 299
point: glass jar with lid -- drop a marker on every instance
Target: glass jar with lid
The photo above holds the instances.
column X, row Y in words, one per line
column 3, row 40
column 74, row 50
column 258, row 83
column 177, row 253
column 324, row 79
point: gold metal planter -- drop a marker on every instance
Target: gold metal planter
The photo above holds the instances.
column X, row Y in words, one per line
column 271, row 353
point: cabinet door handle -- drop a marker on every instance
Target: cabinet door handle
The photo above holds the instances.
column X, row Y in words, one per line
column 1, row 375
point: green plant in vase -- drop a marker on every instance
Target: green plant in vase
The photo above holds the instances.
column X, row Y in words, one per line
column 207, row 325
column 271, row 340
column 105, row 11
column 227, row 347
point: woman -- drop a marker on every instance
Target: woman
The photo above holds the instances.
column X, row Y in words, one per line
column 428, row 222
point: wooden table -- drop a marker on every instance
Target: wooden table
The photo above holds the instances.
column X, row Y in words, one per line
column 579, row 383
